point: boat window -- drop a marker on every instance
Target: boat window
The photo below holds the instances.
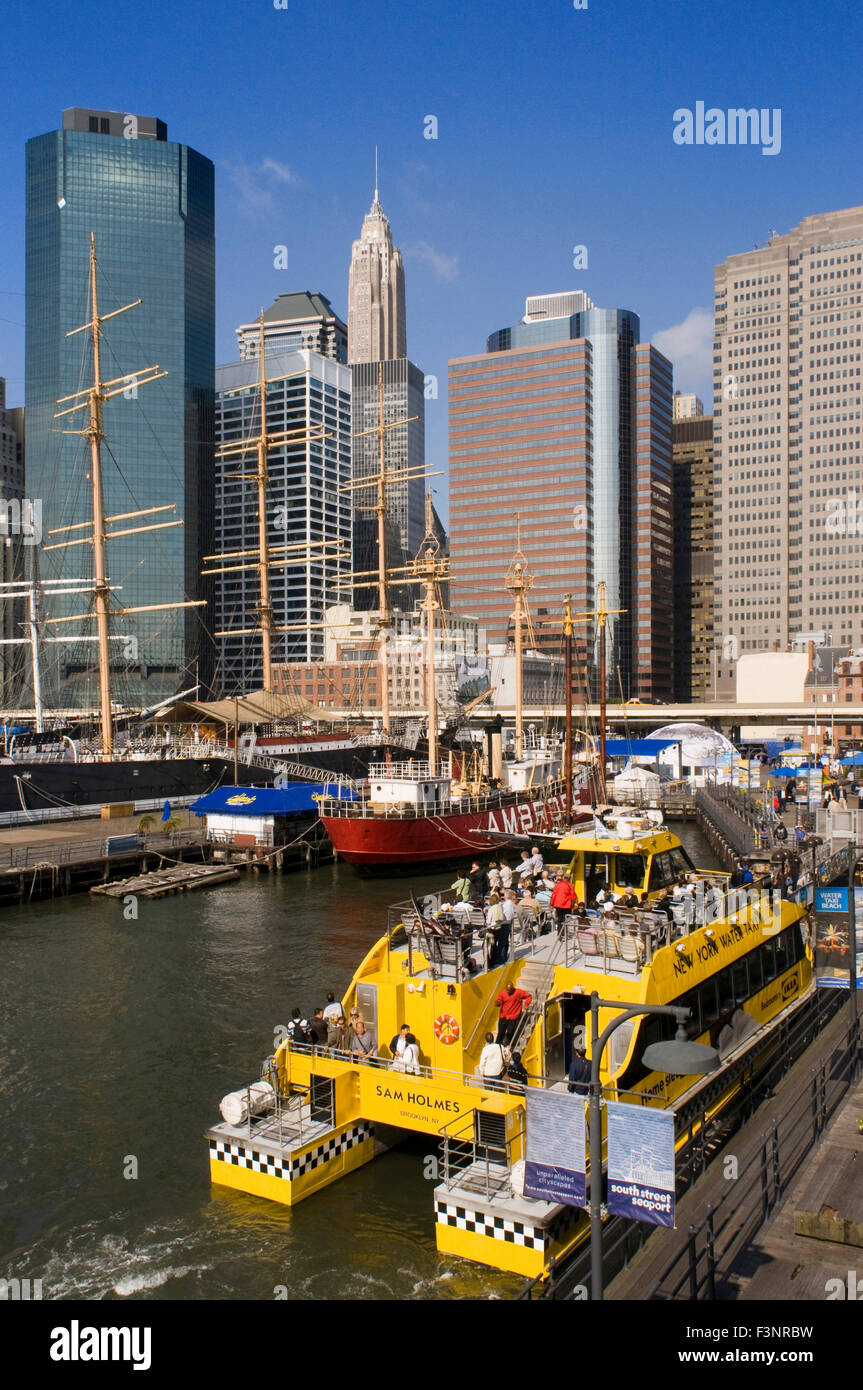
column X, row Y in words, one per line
column 661, row 873
column 767, row 955
column 783, row 953
column 680, row 861
column 629, row 870
column 692, row 1001
column 618, row 1046
column 725, row 988
column 739, row 983
column 756, row 971
column 708, row 1004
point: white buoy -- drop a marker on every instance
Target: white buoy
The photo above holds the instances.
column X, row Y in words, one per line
column 234, row 1108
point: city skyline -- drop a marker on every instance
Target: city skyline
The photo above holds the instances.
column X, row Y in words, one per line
column 482, row 212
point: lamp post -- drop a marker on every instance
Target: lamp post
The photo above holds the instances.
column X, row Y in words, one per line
column 679, row 1056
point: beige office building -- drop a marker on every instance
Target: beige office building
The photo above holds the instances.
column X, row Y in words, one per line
column 788, row 451
column 376, row 293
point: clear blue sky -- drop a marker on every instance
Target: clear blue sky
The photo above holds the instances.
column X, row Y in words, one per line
column 555, row 129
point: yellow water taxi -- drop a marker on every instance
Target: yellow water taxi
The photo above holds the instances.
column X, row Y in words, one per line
column 738, row 959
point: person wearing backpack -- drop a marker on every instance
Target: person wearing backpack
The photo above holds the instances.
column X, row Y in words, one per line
column 298, row 1028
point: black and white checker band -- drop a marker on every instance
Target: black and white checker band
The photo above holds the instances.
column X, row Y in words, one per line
column 230, row 1151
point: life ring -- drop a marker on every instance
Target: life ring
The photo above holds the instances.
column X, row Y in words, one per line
column 446, row 1030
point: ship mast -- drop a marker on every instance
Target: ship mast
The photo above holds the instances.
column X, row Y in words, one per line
column 92, row 399
column 266, row 603
column 430, row 568
column 380, row 508
column 262, row 557
column 518, row 582
column 602, row 614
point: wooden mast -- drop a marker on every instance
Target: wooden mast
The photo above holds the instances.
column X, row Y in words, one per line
column 567, row 746
column 430, row 568
column 602, row 614
column 380, row 509
column 265, row 606
column 92, row 399
column 518, row 582
column 262, row 557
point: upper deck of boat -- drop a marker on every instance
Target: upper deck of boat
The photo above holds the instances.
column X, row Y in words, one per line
column 621, row 946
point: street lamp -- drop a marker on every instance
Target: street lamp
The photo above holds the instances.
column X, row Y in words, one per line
column 679, row 1056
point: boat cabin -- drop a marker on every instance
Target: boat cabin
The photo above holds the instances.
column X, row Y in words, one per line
column 413, row 787
column 629, row 853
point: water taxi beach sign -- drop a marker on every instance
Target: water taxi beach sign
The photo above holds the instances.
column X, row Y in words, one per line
column 640, row 1163
column 555, row 1157
column 836, row 918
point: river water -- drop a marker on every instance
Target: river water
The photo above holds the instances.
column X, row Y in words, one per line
column 119, row 1040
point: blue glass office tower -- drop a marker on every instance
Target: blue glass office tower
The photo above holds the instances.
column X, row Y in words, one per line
column 149, row 204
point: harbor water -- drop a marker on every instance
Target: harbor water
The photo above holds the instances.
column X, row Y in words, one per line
column 120, row 1038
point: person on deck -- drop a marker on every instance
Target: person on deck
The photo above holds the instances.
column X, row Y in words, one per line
column 478, row 879
column 579, row 1073
column 525, row 869
column 562, row 898
column 505, row 874
column 405, row 1050
column 362, row 1043
column 332, row 1010
column 462, row 887
column 492, row 1063
column 512, row 1002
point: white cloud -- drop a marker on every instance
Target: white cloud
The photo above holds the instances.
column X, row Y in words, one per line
column 254, row 183
column 445, row 267
column 279, row 171
column 689, row 346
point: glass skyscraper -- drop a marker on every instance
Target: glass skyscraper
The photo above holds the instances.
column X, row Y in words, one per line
column 309, row 505
column 149, row 203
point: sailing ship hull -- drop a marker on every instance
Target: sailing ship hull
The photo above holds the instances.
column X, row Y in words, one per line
column 40, row 789
column 377, row 843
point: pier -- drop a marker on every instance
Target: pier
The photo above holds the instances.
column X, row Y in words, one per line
column 55, row 860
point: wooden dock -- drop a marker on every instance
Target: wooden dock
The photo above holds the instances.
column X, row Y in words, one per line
column 160, row 883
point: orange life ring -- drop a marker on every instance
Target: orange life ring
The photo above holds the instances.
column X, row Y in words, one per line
column 446, row 1030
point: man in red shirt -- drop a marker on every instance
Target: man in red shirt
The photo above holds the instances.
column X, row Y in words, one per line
column 562, row 898
column 511, row 1002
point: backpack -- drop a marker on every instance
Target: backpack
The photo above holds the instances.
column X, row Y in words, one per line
column 299, row 1031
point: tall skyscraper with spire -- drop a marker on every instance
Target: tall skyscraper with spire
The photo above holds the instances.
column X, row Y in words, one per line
column 376, row 292
column 377, row 356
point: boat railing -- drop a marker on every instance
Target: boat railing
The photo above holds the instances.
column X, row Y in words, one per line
column 485, row 1163
column 467, row 804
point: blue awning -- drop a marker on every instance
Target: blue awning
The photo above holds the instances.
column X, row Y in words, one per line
column 291, row 800
column 637, row 747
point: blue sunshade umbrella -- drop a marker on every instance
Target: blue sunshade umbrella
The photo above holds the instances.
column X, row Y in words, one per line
column 852, row 760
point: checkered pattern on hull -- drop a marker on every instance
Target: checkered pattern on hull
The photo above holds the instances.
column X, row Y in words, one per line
column 482, row 1223
column 230, row 1151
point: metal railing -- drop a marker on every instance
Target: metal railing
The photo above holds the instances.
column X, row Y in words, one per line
column 80, row 851
column 486, row 1165
column 463, row 805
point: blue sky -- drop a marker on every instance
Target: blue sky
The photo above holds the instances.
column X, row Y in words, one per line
column 554, row 130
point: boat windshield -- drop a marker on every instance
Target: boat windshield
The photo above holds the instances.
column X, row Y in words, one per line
column 666, row 868
column 629, row 870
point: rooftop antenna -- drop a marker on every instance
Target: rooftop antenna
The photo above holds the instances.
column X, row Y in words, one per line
column 376, row 173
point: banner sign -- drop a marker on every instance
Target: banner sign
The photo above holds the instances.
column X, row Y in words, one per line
column 834, row 916
column 640, row 1163
column 555, row 1157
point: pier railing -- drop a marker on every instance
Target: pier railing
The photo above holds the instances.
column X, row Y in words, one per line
column 60, row 852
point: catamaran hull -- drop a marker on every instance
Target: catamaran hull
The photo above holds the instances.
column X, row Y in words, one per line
column 375, row 842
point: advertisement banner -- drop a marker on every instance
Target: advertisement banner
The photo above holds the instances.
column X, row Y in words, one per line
column 640, row 1163
column 555, row 1156
column 833, row 926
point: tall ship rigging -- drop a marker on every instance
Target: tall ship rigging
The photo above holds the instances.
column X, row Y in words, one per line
column 431, row 811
